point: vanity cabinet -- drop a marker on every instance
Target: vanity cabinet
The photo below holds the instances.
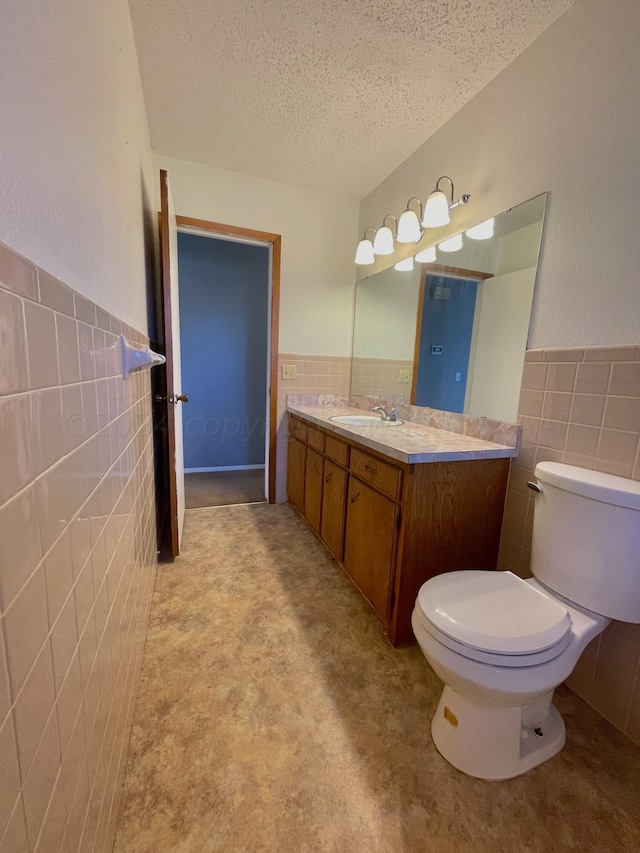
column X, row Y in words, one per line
column 295, row 478
column 333, row 507
column 370, row 543
column 314, row 468
column 392, row 526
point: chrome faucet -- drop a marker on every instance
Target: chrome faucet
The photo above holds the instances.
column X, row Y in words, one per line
column 384, row 414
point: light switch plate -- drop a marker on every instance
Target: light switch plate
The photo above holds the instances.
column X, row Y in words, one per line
column 289, row 371
column 404, row 376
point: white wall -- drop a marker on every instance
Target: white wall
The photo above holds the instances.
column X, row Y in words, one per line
column 518, row 250
column 319, row 235
column 386, row 312
column 562, row 117
column 75, row 159
column 500, row 345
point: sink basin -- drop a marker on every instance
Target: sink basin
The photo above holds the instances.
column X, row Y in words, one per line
column 363, row 420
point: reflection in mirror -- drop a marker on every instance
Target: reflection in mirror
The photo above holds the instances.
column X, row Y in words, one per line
column 452, row 334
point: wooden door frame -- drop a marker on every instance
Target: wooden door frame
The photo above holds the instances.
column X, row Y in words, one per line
column 169, row 546
column 276, row 251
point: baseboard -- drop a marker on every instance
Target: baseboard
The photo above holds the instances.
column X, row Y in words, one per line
column 224, row 468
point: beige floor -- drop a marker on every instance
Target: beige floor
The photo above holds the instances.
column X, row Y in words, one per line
column 274, row 716
column 221, row 488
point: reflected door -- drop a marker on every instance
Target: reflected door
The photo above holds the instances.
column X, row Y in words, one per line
column 446, row 330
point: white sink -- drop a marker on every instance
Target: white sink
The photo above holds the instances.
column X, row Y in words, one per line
column 363, row 420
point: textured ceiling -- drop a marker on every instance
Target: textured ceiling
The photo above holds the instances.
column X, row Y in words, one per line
column 327, row 94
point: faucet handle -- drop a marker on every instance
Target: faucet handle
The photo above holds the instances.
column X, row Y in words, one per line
column 392, row 414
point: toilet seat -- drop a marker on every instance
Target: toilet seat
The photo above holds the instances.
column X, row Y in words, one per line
column 494, row 617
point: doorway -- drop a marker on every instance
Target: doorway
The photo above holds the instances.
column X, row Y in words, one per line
column 228, row 306
column 445, row 333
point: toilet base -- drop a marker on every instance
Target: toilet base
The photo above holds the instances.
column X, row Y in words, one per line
column 493, row 741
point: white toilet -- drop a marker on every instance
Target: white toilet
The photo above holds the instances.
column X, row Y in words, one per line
column 502, row 645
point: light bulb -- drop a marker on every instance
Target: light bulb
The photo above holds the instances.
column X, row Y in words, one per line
column 426, row 256
column 404, row 266
column 409, row 230
column 436, row 210
column 383, row 241
column 452, row 244
column 364, row 253
column 483, row 231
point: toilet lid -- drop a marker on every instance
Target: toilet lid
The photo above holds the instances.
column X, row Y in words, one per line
column 493, row 611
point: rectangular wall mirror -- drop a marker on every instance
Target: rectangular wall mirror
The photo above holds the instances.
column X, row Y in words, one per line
column 452, row 334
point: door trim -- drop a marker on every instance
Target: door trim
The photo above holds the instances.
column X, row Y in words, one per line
column 276, row 253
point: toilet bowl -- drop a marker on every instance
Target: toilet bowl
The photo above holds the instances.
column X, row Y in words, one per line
column 495, row 719
column 501, row 644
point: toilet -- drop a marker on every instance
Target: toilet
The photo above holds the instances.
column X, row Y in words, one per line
column 501, row 644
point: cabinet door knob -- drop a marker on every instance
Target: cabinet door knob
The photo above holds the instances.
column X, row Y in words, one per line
column 328, row 477
column 355, row 497
column 371, row 469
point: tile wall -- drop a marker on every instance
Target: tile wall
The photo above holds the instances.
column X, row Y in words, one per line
column 77, row 561
column 315, row 374
column 381, row 378
column 582, row 407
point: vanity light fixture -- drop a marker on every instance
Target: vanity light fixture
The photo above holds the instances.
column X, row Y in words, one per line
column 364, row 252
column 409, row 230
column 436, row 210
column 410, row 227
column 426, row 256
column 483, row 231
column 404, row 266
column 452, row 244
column 383, row 241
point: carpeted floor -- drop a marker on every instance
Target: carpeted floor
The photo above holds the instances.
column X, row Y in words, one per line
column 223, row 488
column 274, row 716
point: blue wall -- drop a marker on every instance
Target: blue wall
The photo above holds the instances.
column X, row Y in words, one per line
column 446, row 323
column 224, row 290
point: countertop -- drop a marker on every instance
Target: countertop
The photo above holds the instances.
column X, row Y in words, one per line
column 407, row 442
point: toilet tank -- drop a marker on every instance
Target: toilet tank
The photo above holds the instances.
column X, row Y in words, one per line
column 586, row 538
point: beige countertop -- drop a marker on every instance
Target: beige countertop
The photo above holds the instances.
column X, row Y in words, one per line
column 408, row 442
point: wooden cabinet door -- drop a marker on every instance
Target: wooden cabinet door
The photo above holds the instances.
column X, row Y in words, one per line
column 370, row 542
column 313, row 488
column 295, row 472
column 333, row 504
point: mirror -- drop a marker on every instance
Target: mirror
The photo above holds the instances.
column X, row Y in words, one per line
column 452, row 334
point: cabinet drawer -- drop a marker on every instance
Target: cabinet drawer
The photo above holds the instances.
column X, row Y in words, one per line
column 337, row 450
column 315, row 438
column 380, row 474
column 297, row 428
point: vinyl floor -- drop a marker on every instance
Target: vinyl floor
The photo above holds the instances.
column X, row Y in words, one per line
column 273, row 715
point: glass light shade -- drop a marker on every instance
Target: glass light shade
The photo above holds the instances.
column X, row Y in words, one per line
column 436, row 210
column 426, row 256
column 383, row 241
column 404, row 266
column 483, row 231
column 409, row 230
column 452, row 244
column 364, row 253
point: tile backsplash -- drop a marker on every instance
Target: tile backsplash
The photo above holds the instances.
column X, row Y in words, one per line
column 379, row 377
column 582, row 407
column 77, row 561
